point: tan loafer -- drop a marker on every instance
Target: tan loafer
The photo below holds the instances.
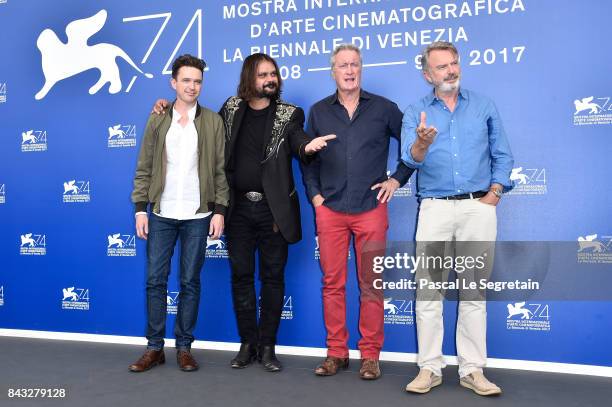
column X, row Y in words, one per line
column 477, row 382
column 424, row 382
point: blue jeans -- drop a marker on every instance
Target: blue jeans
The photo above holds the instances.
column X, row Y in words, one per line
column 163, row 234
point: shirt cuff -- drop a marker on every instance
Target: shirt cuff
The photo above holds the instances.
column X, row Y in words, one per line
column 505, row 183
column 306, row 158
column 312, row 191
column 219, row 210
column 409, row 161
column 141, row 206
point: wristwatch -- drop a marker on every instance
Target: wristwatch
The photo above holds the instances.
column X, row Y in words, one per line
column 497, row 191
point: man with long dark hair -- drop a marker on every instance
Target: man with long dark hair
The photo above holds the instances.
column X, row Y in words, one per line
column 263, row 132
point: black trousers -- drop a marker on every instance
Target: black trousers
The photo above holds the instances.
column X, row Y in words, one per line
column 251, row 227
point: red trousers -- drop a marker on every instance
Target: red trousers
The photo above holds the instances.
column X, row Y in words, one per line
column 334, row 230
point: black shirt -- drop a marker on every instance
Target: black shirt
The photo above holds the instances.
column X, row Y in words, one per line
column 249, row 150
column 346, row 169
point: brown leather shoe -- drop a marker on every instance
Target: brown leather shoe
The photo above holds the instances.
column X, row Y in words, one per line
column 149, row 359
column 186, row 361
column 370, row 370
column 330, row 366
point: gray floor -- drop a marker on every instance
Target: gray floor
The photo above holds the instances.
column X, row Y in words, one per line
column 97, row 375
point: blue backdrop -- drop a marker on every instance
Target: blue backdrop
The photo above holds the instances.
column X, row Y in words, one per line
column 69, row 259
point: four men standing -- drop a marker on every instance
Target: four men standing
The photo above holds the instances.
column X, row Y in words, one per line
column 463, row 164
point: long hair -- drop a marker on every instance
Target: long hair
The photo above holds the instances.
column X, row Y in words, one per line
column 246, row 87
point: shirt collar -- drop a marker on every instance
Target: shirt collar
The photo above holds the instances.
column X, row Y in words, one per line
column 333, row 99
column 431, row 98
column 190, row 113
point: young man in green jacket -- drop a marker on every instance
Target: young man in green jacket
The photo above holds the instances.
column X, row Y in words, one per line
column 180, row 176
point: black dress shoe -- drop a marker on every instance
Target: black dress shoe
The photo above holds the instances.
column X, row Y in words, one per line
column 267, row 357
column 246, row 355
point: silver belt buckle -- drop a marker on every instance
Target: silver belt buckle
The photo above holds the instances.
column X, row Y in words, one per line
column 254, row 196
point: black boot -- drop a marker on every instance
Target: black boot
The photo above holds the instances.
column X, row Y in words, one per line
column 246, row 355
column 267, row 357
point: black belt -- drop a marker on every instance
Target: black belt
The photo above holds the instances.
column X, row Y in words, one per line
column 471, row 195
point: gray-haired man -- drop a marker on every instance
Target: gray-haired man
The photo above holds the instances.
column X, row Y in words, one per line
column 464, row 163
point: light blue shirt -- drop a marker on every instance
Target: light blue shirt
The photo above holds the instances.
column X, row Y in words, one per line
column 470, row 151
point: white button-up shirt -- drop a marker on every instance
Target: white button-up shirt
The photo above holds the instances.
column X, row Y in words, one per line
column 181, row 196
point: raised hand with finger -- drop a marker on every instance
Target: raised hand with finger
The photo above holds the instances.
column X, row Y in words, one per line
column 426, row 134
column 318, row 143
column 425, row 138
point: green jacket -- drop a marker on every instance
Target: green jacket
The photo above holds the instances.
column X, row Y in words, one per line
column 151, row 168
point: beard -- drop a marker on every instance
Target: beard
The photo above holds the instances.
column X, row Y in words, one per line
column 446, row 87
column 270, row 91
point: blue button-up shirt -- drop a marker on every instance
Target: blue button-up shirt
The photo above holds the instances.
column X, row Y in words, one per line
column 346, row 169
column 470, row 151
